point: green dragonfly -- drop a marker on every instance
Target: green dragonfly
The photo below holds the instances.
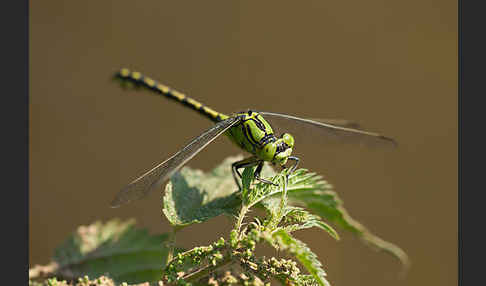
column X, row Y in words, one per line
column 249, row 129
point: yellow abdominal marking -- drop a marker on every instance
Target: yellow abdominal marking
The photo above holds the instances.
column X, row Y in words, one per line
column 163, row 88
column 150, row 82
column 211, row 112
column 125, row 72
column 178, row 95
column 136, row 75
column 194, row 103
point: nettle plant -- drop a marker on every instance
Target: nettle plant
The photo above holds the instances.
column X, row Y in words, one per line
column 119, row 253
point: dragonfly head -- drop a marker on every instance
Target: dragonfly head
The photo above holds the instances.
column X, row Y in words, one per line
column 285, row 144
column 278, row 150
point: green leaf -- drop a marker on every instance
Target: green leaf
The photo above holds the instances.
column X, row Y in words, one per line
column 277, row 206
column 311, row 192
column 306, row 280
column 261, row 191
column 116, row 248
column 246, row 180
column 298, row 218
column 324, row 202
column 282, row 240
column 299, row 180
column 193, row 196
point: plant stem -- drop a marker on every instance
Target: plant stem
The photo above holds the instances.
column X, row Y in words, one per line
column 195, row 276
column 241, row 216
column 172, row 242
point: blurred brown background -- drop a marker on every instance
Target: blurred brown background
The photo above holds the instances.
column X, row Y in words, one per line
column 390, row 65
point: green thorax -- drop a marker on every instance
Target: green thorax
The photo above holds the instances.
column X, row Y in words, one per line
column 252, row 133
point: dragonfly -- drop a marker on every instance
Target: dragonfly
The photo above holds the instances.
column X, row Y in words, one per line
column 251, row 130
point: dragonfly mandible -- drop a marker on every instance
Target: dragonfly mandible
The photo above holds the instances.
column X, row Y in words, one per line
column 248, row 129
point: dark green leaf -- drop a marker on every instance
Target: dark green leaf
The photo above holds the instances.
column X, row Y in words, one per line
column 246, row 180
column 116, row 248
column 192, row 196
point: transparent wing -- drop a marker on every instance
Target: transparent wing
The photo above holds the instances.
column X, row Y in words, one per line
column 154, row 178
column 322, row 132
column 338, row 122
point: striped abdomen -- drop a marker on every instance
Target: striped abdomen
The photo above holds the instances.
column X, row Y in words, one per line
column 139, row 80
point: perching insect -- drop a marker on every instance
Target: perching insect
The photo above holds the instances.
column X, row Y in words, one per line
column 250, row 130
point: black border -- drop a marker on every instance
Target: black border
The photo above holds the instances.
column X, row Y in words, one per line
column 471, row 159
column 14, row 23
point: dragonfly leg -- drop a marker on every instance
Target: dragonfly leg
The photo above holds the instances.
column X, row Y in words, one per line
column 248, row 162
column 258, row 171
column 294, row 166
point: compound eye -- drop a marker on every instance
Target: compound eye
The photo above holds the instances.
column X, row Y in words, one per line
column 288, row 139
